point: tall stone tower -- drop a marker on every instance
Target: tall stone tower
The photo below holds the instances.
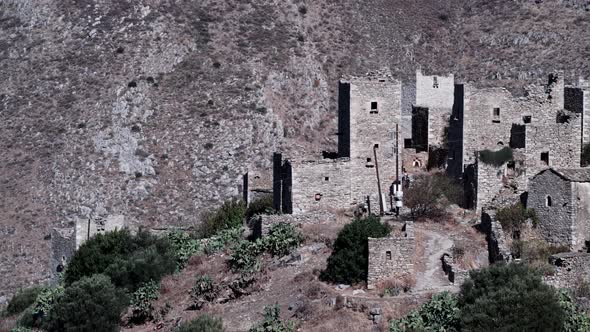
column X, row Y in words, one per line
column 369, row 112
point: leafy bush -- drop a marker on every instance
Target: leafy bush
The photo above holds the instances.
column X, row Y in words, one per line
column 222, row 239
column 428, row 195
column 509, row 298
column 203, row 323
column 513, row 217
column 142, row 301
column 272, row 321
column 39, row 311
column 203, row 291
column 184, row 246
column 244, row 256
column 89, row 304
column 282, row 237
column 349, row 260
column 586, row 155
column 230, row 215
column 22, row 300
column 574, row 319
column 441, row 313
column 262, row 205
column 128, row 260
column 496, row 158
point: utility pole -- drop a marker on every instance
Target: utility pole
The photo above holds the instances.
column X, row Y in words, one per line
column 378, row 181
column 396, row 166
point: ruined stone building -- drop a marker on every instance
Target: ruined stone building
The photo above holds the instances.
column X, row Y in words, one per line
column 561, row 200
column 392, row 256
column 543, row 129
column 442, row 124
column 368, row 123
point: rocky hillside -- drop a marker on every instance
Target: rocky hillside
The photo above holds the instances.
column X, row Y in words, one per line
column 152, row 109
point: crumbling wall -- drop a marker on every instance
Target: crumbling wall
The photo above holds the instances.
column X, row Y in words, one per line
column 392, row 257
column 581, row 215
column 87, row 228
column 256, row 185
column 261, row 224
column 456, row 274
column 489, row 182
column 63, row 246
column 569, row 269
column 321, row 184
column 414, row 161
column 498, row 246
column 555, row 217
column 437, row 94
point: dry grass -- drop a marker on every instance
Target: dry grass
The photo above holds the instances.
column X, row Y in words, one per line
column 392, row 287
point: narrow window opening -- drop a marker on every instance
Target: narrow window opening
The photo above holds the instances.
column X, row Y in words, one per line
column 327, row 178
column 496, row 115
column 374, row 107
column 369, row 163
column 548, row 201
column 511, row 169
column 545, row 158
column 500, row 143
column 318, row 196
column 526, row 119
column 376, row 146
column 388, row 255
column 381, row 80
column 435, row 82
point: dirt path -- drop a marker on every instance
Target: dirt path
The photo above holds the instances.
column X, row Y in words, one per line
column 433, row 276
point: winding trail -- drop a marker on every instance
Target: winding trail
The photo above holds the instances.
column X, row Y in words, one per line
column 433, row 277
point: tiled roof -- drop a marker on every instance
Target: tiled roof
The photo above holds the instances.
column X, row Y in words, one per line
column 574, row 174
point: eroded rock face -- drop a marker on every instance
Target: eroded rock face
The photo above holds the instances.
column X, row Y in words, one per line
column 151, row 110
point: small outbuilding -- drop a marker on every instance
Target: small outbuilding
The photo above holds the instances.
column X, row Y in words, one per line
column 561, row 200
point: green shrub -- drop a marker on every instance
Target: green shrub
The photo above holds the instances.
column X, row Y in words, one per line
column 22, row 300
column 89, row 304
column 441, row 313
column 496, row 158
column 509, row 298
column 203, row 323
column 244, row 256
column 39, row 311
column 574, row 319
column 428, row 195
column 281, row 238
column 349, row 260
column 141, row 267
column 262, row 205
column 142, row 301
column 230, row 215
column 128, row 260
column 272, row 321
column 513, row 217
column 203, row 292
column 21, row 329
column 222, row 239
column 184, row 246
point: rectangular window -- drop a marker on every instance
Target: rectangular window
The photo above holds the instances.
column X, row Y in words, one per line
column 407, row 143
column 545, row 158
column 388, row 255
column 376, row 146
column 374, row 107
column 496, row 115
column 327, row 178
column 526, row 119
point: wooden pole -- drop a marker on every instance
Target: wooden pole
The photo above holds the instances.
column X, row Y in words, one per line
column 378, row 182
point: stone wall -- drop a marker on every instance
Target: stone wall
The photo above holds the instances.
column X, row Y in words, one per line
column 570, row 269
column 414, row 161
column 498, row 246
column 555, row 221
column 456, row 274
column 375, row 111
column 322, row 184
column 263, row 223
column 437, row 94
column 581, row 215
column 393, row 256
column 63, row 246
column 111, row 223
